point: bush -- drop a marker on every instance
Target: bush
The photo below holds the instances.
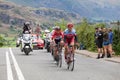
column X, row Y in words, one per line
column 1, row 41
column 116, row 42
column 85, row 33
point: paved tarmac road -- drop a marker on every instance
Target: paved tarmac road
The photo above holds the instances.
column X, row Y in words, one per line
column 39, row 65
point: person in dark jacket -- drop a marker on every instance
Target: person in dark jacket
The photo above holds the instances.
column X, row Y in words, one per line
column 99, row 40
column 26, row 27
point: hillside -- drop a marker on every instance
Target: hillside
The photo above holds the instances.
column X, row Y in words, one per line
column 12, row 17
column 11, row 13
column 93, row 9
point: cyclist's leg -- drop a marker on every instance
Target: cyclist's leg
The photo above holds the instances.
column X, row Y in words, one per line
column 61, row 44
column 65, row 51
column 73, row 48
column 56, row 48
column 72, row 44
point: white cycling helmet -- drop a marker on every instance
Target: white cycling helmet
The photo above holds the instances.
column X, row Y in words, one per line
column 47, row 31
column 27, row 23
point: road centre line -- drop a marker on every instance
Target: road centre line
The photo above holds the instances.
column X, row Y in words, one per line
column 17, row 68
column 9, row 69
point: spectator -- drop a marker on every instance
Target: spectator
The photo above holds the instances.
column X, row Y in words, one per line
column 105, row 43
column 95, row 35
column 99, row 39
column 110, row 40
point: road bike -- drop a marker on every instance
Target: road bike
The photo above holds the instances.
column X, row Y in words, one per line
column 59, row 49
column 58, row 58
column 70, row 58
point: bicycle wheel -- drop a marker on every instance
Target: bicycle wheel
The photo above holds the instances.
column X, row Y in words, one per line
column 68, row 61
column 72, row 62
column 60, row 60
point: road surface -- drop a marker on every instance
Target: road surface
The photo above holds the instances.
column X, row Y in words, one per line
column 39, row 65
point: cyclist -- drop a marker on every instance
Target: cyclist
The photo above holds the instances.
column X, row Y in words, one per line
column 57, row 36
column 69, row 38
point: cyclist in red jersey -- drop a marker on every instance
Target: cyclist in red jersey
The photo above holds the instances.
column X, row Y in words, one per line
column 57, row 36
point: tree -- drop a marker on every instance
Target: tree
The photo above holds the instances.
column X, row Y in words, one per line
column 101, row 25
column 62, row 24
column 85, row 33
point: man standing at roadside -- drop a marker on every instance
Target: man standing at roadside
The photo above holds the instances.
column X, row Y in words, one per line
column 99, row 38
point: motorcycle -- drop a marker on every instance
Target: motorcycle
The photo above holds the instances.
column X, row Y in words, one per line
column 26, row 45
column 48, row 45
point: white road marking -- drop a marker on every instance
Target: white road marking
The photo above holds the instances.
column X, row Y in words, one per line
column 9, row 69
column 17, row 68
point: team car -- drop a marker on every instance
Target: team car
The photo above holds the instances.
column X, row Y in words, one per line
column 37, row 41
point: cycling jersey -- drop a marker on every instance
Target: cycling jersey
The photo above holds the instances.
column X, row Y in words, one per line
column 70, row 36
column 57, row 35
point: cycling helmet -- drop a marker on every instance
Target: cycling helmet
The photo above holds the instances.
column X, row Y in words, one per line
column 57, row 28
column 27, row 23
column 70, row 25
column 47, row 31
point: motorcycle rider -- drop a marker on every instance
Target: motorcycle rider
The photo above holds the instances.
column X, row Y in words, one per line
column 26, row 31
column 26, row 27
